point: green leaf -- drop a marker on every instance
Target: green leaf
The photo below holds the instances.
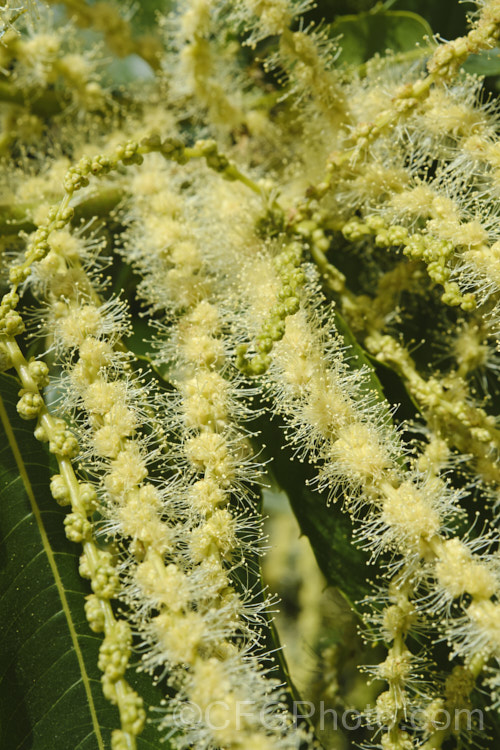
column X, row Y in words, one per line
column 367, row 34
column 328, row 528
column 330, row 533
column 248, row 577
column 50, row 690
column 446, row 17
column 487, row 63
column 358, row 358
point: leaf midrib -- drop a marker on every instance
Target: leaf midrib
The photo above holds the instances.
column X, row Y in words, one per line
column 4, row 418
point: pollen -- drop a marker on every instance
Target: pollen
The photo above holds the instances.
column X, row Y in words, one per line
column 75, row 324
column 359, row 454
column 409, row 515
column 458, row 573
column 202, row 349
column 486, row 616
column 328, row 409
column 180, row 635
column 218, row 533
column 205, row 316
column 206, row 495
column 206, row 401
column 94, row 355
column 128, row 470
column 107, row 442
column 140, row 521
column 165, row 585
column 101, row 396
column 208, row 452
column 66, row 244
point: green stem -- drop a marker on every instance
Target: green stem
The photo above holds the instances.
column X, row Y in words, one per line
column 15, row 217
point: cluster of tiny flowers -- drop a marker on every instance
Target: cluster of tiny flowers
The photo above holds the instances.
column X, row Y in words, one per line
column 398, row 167
column 437, row 220
column 189, row 613
column 335, row 421
column 184, row 534
column 81, row 334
